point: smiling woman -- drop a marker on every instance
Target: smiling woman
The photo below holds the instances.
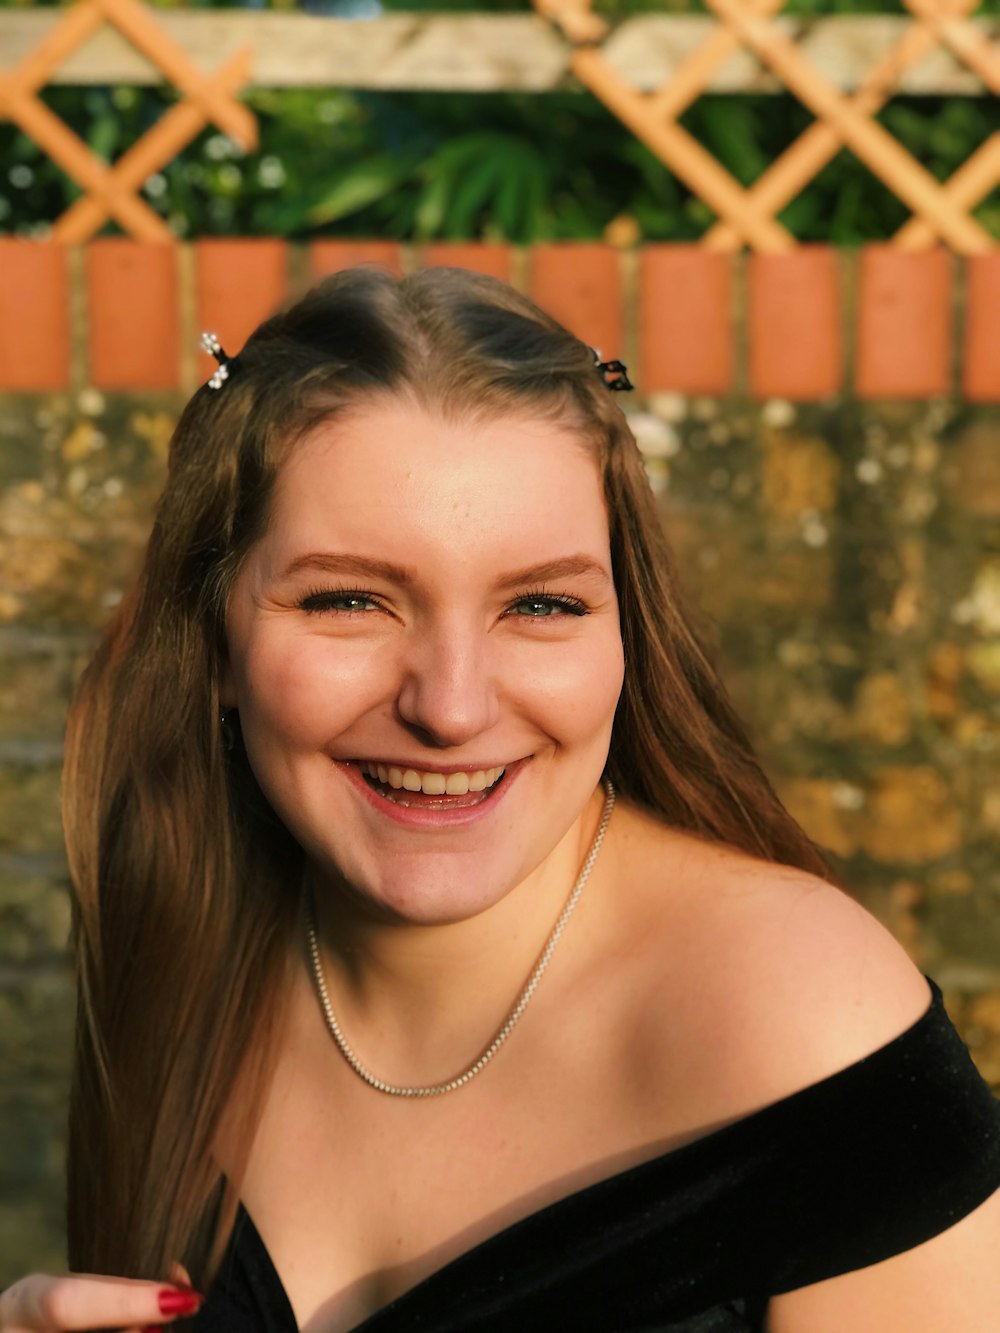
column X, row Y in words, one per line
column 446, row 960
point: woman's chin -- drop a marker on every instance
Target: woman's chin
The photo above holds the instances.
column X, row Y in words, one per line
column 417, row 900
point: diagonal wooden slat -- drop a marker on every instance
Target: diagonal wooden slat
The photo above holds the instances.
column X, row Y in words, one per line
column 57, row 46
column 691, row 79
column 949, row 24
column 652, row 118
column 136, row 22
column 575, row 19
column 980, row 173
column 70, row 153
column 682, row 152
column 788, row 175
column 865, row 137
column 746, row 215
column 967, row 187
column 111, row 191
column 158, row 146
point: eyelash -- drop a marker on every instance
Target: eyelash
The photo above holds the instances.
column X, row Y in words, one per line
column 571, row 605
column 319, row 600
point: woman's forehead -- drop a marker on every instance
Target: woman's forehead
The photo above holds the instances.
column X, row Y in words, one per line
column 396, row 450
column 397, row 473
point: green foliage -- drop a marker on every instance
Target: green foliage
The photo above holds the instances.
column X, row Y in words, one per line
column 518, row 167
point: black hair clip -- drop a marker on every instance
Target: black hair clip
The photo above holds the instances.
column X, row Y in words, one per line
column 617, row 369
column 213, row 347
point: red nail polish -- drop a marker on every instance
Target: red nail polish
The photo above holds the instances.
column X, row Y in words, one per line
column 180, row 1302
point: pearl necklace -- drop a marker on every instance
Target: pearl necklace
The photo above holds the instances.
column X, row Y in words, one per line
column 459, row 1081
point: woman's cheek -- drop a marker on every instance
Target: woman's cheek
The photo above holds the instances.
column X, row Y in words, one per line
column 315, row 687
column 572, row 690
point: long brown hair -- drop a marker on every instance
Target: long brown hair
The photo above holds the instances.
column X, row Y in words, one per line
column 185, row 882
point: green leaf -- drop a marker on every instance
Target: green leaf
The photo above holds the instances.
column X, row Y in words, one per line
column 103, row 136
column 431, row 209
column 358, row 186
column 471, row 197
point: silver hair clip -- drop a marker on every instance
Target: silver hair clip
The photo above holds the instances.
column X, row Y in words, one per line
column 211, row 344
column 617, row 369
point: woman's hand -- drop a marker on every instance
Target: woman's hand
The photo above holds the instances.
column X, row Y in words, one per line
column 43, row 1303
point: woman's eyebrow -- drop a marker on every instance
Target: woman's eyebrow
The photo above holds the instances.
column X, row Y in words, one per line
column 570, row 566
column 334, row 562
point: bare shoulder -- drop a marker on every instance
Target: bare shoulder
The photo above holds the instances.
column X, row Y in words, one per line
column 781, row 976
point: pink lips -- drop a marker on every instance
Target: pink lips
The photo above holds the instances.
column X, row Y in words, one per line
column 435, row 812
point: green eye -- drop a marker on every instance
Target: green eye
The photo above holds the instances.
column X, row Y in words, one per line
column 535, row 606
column 338, row 601
column 545, row 608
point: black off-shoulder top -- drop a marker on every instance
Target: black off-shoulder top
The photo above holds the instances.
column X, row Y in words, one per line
column 865, row 1164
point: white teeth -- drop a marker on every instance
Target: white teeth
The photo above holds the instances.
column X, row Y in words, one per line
column 433, row 784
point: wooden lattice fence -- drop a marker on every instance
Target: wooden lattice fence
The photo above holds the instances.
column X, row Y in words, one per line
column 938, row 46
column 113, row 191
column 941, row 212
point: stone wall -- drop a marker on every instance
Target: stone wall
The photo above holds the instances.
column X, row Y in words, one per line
column 77, row 482
column 846, row 553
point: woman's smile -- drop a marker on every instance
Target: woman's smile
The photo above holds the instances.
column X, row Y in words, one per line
column 432, row 800
column 388, row 779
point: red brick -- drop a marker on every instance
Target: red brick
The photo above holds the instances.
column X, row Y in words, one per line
column 133, row 314
column 239, row 283
column 34, row 315
column 332, row 256
column 904, row 323
column 795, row 347
column 579, row 284
column 494, row 260
column 981, row 359
column 685, row 320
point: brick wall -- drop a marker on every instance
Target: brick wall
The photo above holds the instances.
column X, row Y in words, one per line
column 808, row 325
column 843, row 544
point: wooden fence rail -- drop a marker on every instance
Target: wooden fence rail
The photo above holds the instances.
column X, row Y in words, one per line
column 484, row 52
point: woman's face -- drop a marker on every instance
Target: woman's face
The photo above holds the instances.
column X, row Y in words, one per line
column 431, row 603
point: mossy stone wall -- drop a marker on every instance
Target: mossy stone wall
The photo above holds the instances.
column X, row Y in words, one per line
column 847, row 557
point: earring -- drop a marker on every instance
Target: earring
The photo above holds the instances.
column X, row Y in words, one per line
column 227, row 729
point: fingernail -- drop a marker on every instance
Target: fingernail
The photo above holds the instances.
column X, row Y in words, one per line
column 180, row 1302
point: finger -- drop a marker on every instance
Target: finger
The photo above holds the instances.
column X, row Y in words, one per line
column 84, row 1301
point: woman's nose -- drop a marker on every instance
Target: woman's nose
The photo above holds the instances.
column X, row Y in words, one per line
column 449, row 691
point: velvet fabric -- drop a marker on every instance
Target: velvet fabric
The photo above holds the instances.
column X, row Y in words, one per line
column 865, row 1164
